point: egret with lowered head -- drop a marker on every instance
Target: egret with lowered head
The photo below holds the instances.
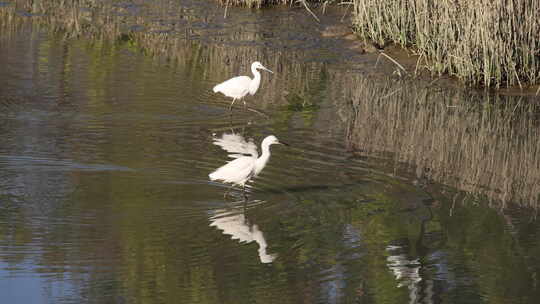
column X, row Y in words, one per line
column 240, row 86
column 244, row 167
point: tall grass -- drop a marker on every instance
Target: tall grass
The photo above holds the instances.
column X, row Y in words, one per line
column 483, row 42
column 248, row 3
column 261, row 3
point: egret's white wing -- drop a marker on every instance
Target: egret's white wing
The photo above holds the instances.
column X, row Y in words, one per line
column 236, row 87
column 237, row 171
column 236, row 145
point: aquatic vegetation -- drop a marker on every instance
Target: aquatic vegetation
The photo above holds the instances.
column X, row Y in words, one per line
column 484, row 42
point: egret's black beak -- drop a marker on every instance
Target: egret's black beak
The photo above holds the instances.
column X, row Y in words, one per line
column 285, row 144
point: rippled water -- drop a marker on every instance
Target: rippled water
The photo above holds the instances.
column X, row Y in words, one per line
column 105, row 197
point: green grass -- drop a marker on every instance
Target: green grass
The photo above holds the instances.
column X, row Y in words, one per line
column 494, row 43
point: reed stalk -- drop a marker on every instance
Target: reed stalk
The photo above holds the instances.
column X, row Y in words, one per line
column 494, row 43
column 261, row 3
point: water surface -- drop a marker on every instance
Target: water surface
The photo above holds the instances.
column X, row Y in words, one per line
column 105, row 197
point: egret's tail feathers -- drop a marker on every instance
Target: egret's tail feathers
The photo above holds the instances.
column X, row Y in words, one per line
column 217, row 88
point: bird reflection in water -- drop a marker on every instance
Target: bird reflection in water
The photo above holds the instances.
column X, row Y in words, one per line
column 234, row 223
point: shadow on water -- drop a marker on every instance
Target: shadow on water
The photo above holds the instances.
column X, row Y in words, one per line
column 107, row 146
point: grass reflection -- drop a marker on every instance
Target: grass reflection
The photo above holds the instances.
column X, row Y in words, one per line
column 480, row 143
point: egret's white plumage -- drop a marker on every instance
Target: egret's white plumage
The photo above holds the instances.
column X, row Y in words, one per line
column 247, row 163
column 240, row 86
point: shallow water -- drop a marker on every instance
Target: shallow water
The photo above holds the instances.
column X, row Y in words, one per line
column 105, row 197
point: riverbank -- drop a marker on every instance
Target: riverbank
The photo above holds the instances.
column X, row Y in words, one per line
column 479, row 43
column 506, row 58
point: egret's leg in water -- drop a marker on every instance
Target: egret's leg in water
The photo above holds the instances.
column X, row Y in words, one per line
column 230, row 107
column 227, row 192
column 244, row 192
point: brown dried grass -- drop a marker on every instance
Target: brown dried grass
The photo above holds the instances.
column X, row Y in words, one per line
column 482, row 42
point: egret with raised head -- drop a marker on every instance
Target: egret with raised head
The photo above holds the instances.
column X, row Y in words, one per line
column 247, row 164
column 240, row 86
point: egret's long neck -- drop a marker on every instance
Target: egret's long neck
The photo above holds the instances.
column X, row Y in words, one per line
column 255, row 82
column 263, row 159
column 255, row 73
column 265, row 151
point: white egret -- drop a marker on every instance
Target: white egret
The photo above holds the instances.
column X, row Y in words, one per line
column 247, row 164
column 240, row 86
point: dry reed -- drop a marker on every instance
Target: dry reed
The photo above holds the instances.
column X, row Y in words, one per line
column 261, row 3
column 483, row 42
column 248, row 3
